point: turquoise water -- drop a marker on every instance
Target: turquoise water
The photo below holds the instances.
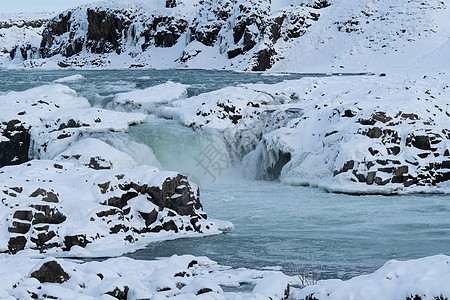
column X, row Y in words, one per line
column 335, row 235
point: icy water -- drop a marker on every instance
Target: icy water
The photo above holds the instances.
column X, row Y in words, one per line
column 297, row 228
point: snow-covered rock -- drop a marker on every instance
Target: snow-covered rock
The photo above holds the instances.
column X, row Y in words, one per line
column 299, row 36
column 58, row 207
column 43, row 121
column 20, row 34
column 149, row 98
column 356, row 134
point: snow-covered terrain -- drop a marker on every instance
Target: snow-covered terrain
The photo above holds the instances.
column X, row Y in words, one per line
column 74, row 201
column 424, row 278
column 177, row 277
column 68, row 192
column 353, row 134
column 296, row 36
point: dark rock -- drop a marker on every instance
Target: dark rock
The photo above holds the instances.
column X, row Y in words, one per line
column 115, row 229
column 16, row 244
column 121, row 294
column 98, row 163
column 150, row 217
column 204, row 291
column 122, row 201
column 421, row 142
column 42, row 238
column 18, row 227
column 349, row 113
column 235, row 52
column 170, row 225
column 374, row 132
column 104, row 32
column 186, row 204
column 15, row 150
column 50, row 272
column 192, row 264
column 24, row 215
column 38, row 192
column 263, row 60
column 51, row 197
column 47, row 215
column 370, row 177
column 171, row 3
column 75, row 240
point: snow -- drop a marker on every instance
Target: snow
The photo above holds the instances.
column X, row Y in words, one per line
column 347, row 36
column 176, row 277
column 426, row 277
column 323, row 123
column 149, row 98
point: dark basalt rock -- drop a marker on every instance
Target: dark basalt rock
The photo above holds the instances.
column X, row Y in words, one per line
column 263, row 60
column 75, row 240
column 104, row 32
column 15, row 150
column 47, row 215
column 150, row 217
column 16, row 244
column 19, row 227
column 50, row 272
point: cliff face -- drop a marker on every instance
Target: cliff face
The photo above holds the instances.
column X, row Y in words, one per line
column 242, row 32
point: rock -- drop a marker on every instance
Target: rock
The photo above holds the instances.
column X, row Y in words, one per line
column 25, row 215
column 18, row 227
column 14, row 143
column 125, row 203
column 50, row 272
column 15, row 244
column 263, row 59
column 48, row 215
column 75, row 240
column 421, row 142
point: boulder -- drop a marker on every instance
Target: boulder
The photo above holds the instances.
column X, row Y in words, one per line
column 50, row 272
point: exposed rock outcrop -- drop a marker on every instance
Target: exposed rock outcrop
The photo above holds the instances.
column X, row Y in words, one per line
column 71, row 206
column 246, row 31
column 14, row 143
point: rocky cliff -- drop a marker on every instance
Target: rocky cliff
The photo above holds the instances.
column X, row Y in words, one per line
column 241, row 32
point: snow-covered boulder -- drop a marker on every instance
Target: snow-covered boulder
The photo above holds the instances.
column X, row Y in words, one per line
column 178, row 277
column 149, row 98
column 55, row 207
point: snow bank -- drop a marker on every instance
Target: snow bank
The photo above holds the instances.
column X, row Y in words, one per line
column 177, row 277
column 149, row 98
column 425, row 278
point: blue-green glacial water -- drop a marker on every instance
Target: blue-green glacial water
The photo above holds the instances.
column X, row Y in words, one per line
column 336, row 235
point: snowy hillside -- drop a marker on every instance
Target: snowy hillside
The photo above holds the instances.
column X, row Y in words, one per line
column 301, row 36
